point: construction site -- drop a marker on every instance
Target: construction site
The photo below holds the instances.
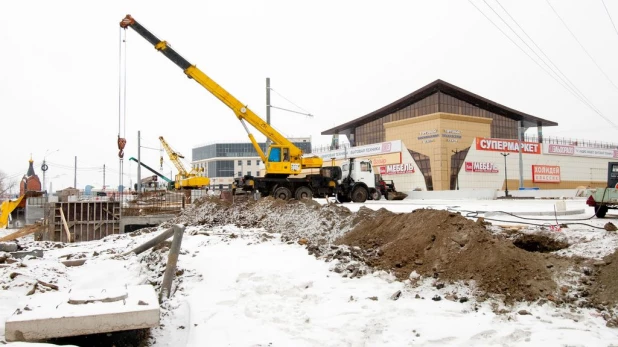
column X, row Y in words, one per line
column 412, row 233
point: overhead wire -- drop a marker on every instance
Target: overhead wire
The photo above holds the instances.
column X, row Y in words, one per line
column 581, row 45
column 562, row 83
column 286, row 99
column 518, row 46
column 564, row 77
column 610, row 17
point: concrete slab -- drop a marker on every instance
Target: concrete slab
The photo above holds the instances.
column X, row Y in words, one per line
column 51, row 315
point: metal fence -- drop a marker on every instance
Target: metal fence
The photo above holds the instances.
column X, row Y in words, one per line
column 527, row 138
column 572, row 142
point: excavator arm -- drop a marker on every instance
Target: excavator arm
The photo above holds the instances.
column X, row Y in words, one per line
column 283, row 157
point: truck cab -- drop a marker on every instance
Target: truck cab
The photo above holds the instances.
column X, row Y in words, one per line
column 357, row 181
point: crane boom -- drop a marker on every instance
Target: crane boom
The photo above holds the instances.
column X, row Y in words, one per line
column 184, row 179
column 152, row 170
column 174, row 157
column 283, row 158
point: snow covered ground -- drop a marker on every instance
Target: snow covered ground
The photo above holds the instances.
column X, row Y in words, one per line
column 245, row 287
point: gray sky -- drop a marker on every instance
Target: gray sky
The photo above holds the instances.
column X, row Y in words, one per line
column 339, row 60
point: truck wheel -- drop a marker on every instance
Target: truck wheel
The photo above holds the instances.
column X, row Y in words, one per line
column 375, row 195
column 359, row 194
column 303, row 193
column 600, row 211
column 282, row 193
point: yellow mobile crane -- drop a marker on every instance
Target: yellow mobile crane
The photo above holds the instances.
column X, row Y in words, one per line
column 184, row 179
column 283, row 157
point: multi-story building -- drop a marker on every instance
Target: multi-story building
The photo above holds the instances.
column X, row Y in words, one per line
column 221, row 162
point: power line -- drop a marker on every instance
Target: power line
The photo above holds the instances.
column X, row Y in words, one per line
column 610, row 17
column 564, row 77
column 308, row 113
column 565, row 86
column 518, row 46
column 582, row 46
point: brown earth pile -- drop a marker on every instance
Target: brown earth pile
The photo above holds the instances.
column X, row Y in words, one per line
column 448, row 246
column 434, row 243
column 604, row 290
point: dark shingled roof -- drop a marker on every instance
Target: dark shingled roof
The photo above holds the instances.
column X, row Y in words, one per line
column 446, row 88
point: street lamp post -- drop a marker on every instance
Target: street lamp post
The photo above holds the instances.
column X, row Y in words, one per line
column 506, row 180
column 44, row 166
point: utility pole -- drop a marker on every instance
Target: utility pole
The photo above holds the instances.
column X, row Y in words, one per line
column 75, row 174
column 521, row 156
column 267, row 107
column 506, row 180
column 139, row 163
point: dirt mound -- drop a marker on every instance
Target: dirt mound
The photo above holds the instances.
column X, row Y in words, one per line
column 319, row 224
column 605, row 287
column 448, row 246
column 434, row 243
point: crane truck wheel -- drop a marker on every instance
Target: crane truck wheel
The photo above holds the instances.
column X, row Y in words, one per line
column 375, row 194
column 303, row 193
column 282, row 193
column 359, row 194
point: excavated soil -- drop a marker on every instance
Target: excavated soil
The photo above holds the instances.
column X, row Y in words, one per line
column 433, row 243
column 604, row 290
column 448, row 246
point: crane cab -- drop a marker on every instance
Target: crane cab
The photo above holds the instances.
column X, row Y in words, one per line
column 280, row 162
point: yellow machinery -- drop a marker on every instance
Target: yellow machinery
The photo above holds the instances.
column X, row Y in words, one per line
column 184, row 179
column 283, row 159
column 6, row 208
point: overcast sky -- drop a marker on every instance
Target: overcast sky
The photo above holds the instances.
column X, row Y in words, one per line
column 338, row 60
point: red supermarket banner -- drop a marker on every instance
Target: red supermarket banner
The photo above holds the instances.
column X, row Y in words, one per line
column 504, row 145
column 396, row 169
column 475, row 166
column 545, row 174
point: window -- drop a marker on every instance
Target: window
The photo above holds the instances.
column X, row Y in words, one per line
column 249, row 162
column 240, row 162
column 274, row 155
column 239, row 173
column 257, row 162
column 286, row 154
column 365, row 166
column 248, row 173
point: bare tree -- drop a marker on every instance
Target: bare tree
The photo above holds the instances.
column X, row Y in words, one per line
column 5, row 184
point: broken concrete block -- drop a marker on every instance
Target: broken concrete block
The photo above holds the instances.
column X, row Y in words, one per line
column 52, row 315
column 8, row 247
column 34, row 253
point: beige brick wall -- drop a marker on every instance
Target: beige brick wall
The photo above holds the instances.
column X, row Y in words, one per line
column 438, row 135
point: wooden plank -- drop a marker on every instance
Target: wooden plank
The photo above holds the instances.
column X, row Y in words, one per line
column 111, row 214
column 27, row 230
column 66, row 227
column 100, row 224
